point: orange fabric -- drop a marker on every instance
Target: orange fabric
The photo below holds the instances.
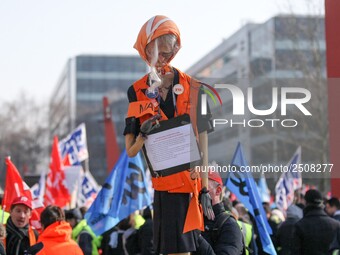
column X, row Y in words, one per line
column 57, row 240
column 141, row 108
column 186, row 102
column 180, row 182
column 194, row 219
column 155, row 27
column 31, row 236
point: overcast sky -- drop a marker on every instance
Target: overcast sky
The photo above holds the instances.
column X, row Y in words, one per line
column 37, row 37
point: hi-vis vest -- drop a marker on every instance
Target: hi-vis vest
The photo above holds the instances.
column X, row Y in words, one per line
column 96, row 240
column 181, row 182
column 247, row 232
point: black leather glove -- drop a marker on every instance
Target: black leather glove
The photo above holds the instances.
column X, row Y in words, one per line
column 147, row 125
column 205, row 201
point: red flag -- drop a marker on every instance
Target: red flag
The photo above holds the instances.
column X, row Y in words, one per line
column 56, row 192
column 16, row 187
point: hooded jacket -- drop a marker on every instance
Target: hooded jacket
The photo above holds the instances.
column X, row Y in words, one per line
column 57, row 240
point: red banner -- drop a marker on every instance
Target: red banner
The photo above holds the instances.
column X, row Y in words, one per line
column 56, row 192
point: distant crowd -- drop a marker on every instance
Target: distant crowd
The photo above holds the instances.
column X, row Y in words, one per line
column 311, row 225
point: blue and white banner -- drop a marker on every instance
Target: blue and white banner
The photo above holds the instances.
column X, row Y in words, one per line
column 88, row 189
column 288, row 182
column 243, row 185
column 38, row 189
column 75, row 146
column 123, row 193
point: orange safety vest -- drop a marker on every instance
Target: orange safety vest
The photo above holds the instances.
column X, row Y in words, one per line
column 180, row 182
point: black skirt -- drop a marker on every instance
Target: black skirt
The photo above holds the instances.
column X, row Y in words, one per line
column 170, row 210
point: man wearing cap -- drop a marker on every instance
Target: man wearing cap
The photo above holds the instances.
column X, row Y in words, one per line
column 314, row 233
column 20, row 234
column 222, row 235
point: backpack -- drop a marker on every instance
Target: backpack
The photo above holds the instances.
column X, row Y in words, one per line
column 216, row 231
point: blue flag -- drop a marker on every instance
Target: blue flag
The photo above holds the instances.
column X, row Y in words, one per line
column 263, row 189
column 289, row 181
column 123, row 193
column 87, row 190
column 243, row 185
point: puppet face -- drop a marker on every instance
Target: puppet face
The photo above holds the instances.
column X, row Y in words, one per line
column 161, row 50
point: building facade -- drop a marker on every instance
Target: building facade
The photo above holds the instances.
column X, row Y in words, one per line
column 265, row 61
column 78, row 98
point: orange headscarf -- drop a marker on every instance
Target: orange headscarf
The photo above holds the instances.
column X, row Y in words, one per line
column 155, row 27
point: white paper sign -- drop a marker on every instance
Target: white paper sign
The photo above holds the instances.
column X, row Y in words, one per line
column 172, row 147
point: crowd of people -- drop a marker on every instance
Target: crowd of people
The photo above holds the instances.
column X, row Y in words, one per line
column 311, row 225
column 190, row 213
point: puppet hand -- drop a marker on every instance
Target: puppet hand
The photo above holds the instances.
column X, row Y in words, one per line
column 205, row 201
column 147, row 126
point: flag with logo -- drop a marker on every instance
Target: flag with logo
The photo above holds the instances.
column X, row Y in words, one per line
column 289, row 181
column 73, row 148
column 123, row 192
column 38, row 189
column 88, row 189
column 56, row 191
column 243, row 185
column 16, row 187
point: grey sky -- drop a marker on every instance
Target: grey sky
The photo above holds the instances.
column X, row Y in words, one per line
column 38, row 36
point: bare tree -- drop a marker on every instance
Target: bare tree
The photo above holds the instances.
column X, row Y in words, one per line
column 24, row 134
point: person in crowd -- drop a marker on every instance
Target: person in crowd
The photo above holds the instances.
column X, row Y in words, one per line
column 56, row 233
column 2, row 238
column 83, row 210
column 222, row 235
column 284, row 235
column 20, row 235
column 82, row 233
column 274, row 221
column 243, row 213
column 314, row 233
column 169, row 94
column 112, row 242
column 145, row 234
column 299, row 198
column 334, row 248
column 130, row 236
column 333, row 208
column 3, row 215
column 245, row 226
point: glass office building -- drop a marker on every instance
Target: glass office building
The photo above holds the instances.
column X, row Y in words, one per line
column 78, row 98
